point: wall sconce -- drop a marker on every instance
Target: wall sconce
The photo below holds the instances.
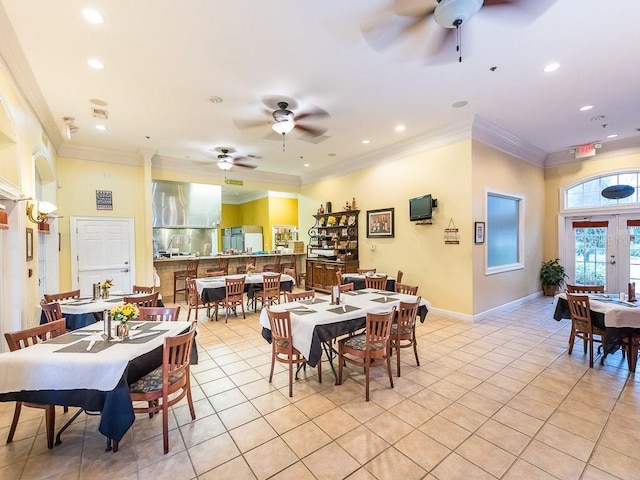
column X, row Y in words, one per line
column 38, row 212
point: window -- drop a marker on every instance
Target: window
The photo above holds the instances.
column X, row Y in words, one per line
column 504, row 233
column 589, row 193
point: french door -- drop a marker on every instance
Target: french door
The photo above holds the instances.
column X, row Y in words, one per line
column 604, row 250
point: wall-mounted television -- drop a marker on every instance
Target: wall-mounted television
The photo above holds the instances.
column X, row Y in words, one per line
column 420, row 208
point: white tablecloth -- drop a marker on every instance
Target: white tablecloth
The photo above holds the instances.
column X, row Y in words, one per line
column 78, row 306
column 616, row 313
column 219, row 282
column 43, row 367
column 302, row 326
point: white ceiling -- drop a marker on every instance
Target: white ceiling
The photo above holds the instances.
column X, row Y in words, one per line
column 164, row 59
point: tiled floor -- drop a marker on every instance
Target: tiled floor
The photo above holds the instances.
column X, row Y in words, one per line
column 499, row 398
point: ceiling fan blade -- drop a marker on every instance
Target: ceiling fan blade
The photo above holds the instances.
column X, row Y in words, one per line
column 441, row 47
column 311, row 131
column 316, row 112
column 244, row 165
column 525, row 11
column 272, row 101
column 390, row 31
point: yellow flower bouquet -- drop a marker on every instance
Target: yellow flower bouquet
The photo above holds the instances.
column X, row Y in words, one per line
column 124, row 313
column 250, row 268
column 107, row 284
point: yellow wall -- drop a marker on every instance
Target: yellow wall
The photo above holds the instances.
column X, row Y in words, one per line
column 282, row 211
column 79, row 180
column 443, row 272
column 498, row 172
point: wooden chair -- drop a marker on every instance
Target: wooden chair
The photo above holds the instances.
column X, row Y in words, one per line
column 406, row 289
column 55, row 297
column 273, row 266
column 141, row 289
column 346, row 287
column 150, row 300
column 270, row 292
column 585, row 288
column 338, row 276
column 223, row 264
column 399, row 276
column 159, row 314
column 23, row 339
column 292, row 273
column 193, row 299
column 378, row 282
column 213, row 272
column 52, row 311
column 168, row 384
column 403, row 330
column 368, row 349
column 287, row 261
column 305, row 295
column 581, row 325
column 282, row 349
column 191, row 271
column 362, row 271
column 234, row 289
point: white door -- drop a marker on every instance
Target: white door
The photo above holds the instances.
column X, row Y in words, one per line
column 604, row 250
column 101, row 249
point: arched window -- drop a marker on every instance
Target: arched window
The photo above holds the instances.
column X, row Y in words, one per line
column 588, row 194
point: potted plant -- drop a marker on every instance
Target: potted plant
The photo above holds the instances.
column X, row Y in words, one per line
column 552, row 276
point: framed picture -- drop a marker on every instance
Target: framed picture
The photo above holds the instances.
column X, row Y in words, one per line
column 479, row 229
column 29, row 243
column 380, row 223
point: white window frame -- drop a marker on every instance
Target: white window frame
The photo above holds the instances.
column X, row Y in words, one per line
column 519, row 265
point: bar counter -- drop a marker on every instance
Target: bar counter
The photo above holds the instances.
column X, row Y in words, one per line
column 167, row 266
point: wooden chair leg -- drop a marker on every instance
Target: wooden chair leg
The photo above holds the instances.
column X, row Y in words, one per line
column 50, row 421
column 273, row 363
column 340, row 363
column 415, row 348
column 366, row 373
column 397, row 345
column 572, row 339
column 165, row 424
column 319, row 371
column 290, row 377
column 590, row 350
column 190, row 400
column 14, row 422
column 389, row 369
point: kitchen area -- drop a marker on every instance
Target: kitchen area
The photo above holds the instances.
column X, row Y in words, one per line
column 188, row 224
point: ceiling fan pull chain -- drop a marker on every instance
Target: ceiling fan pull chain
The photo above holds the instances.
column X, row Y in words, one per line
column 283, row 142
column 459, row 42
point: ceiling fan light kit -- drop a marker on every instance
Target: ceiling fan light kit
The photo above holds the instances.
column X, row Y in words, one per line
column 453, row 13
column 283, row 126
column 225, row 165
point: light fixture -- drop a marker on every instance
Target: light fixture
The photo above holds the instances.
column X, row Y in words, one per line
column 283, row 126
column 101, row 127
column 94, row 63
column 69, row 126
column 400, row 128
column 38, row 212
column 92, row 16
column 552, row 67
column 585, row 108
column 225, row 165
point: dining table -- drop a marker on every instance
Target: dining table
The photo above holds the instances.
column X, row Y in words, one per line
column 82, row 369
column 620, row 319
column 316, row 321
column 212, row 289
column 83, row 311
column 358, row 280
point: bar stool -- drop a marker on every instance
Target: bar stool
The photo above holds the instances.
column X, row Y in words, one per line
column 191, row 271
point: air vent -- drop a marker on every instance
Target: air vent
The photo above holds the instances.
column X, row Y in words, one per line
column 316, row 140
column 100, row 113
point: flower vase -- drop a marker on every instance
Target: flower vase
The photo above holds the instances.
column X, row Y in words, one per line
column 122, row 330
column 249, row 273
column 105, row 293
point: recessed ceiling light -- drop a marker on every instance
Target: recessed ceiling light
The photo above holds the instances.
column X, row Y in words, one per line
column 461, row 103
column 306, row 164
column 215, row 99
column 97, row 101
column 97, row 64
column 400, row 128
column 366, row 142
column 613, row 135
column 101, row 127
column 552, row 67
column 585, row 108
column 331, row 154
column 92, row 16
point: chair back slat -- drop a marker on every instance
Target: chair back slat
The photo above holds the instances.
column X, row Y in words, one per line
column 406, row 289
column 407, row 313
column 159, row 314
column 150, row 300
column 176, row 355
column 54, row 297
column 377, row 282
column 579, row 308
column 281, row 337
column 305, row 295
column 30, row 336
column 213, row 272
column 399, row 276
column 378, row 327
column 143, row 289
column 234, row 286
column 585, row 288
column 192, row 268
column 346, row 287
column 362, row 271
column 338, row 276
column 52, row 311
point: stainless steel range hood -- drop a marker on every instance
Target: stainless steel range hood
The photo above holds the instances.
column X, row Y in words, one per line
column 180, row 205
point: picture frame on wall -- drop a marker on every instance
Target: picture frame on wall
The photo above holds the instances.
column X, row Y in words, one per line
column 380, row 223
column 29, row 243
column 479, row 229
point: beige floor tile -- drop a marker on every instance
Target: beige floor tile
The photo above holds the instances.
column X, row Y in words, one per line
column 566, row 442
column 306, row 439
column 521, row 470
column 361, row 410
column 286, row 418
column 422, row 449
column 201, row 454
column 518, row 421
column 236, row 468
column 479, row 403
column 238, row 415
column 503, row 436
column 393, row 464
column 270, row 402
column 592, row 473
column 577, row 425
column 445, row 432
column 553, row 461
column 362, row 444
column 389, row 427
column 252, row 434
column 270, row 458
column 486, row 455
column 431, row 400
column 532, row 407
column 228, row 399
column 465, row 417
column 297, row 471
column 615, row 463
column 361, row 474
column 336, row 422
column 412, row 413
column 315, row 405
column 202, row 429
column 455, row 467
column 331, row 462
column 174, row 467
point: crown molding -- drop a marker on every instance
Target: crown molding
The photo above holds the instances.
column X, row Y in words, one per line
column 614, row 148
column 94, row 154
column 432, row 140
column 497, row 137
column 18, row 68
column 9, row 191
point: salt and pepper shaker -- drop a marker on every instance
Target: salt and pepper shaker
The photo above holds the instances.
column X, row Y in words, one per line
column 335, row 295
column 632, row 292
column 96, row 291
column 106, row 318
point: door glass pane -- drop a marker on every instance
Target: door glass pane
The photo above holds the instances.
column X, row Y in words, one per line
column 590, row 256
column 634, row 255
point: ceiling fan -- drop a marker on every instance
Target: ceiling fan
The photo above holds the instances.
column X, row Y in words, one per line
column 226, row 161
column 283, row 118
column 410, row 15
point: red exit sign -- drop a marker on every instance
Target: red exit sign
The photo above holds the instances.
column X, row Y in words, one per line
column 588, row 150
